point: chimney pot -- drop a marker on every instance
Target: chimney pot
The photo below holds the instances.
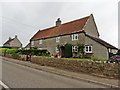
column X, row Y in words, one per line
column 58, row 22
column 15, row 36
column 9, row 38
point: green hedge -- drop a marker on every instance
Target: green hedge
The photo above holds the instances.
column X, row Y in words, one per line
column 8, row 51
column 3, row 51
column 11, row 51
column 36, row 52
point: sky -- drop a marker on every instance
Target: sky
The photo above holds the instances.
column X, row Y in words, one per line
column 25, row 17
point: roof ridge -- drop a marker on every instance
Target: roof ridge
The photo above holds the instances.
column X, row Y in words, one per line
column 68, row 27
column 65, row 23
column 9, row 40
column 76, row 20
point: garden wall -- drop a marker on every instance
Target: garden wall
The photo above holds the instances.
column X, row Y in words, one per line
column 109, row 70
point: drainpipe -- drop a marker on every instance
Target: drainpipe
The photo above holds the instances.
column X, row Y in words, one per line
column 108, row 53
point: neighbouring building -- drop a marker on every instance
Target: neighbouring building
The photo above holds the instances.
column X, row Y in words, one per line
column 81, row 31
column 27, row 46
column 13, row 43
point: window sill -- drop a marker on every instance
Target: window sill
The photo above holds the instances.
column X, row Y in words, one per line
column 88, row 52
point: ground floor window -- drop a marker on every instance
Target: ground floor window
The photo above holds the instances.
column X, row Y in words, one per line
column 88, row 48
column 57, row 50
column 74, row 48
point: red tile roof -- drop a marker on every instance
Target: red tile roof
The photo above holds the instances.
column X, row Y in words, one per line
column 66, row 28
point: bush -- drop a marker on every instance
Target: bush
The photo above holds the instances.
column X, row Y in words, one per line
column 3, row 51
column 11, row 51
column 56, row 55
column 36, row 52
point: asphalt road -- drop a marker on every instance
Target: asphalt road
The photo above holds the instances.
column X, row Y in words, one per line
column 18, row 76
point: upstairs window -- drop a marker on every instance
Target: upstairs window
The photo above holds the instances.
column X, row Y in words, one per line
column 57, row 39
column 74, row 37
column 40, row 41
column 74, row 48
column 88, row 48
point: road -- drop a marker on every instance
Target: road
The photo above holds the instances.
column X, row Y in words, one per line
column 18, row 76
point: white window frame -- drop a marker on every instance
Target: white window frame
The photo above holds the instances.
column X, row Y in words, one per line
column 74, row 37
column 57, row 39
column 74, row 48
column 32, row 43
column 87, row 49
column 40, row 41
column 56, row 49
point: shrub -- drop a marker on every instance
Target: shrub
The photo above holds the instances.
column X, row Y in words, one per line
column 3, row 51
column 56, row 55
column 11, row 51
column 36, row 52
column 81, row 50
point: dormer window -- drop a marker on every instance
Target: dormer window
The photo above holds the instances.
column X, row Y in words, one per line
column 57, row 39
column 40, row 41
column 74, row 37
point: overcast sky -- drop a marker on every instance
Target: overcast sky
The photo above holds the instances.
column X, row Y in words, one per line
column 26, row 18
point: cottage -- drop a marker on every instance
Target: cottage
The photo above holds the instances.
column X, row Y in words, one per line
column 13, row 43
column 78, row 32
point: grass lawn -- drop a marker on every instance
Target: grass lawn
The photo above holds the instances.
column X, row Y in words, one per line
column 81, row 59
column 85, row 59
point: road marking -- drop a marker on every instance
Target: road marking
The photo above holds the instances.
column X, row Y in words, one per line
column 5, row 86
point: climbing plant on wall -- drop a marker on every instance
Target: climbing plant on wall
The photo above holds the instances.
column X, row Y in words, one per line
column 81, row 50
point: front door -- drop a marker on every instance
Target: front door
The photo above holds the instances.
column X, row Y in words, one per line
column 62, row 51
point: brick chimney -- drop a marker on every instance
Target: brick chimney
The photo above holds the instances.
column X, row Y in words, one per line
column 58, row 22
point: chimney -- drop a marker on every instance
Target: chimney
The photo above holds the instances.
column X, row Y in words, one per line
column 15, row 36
column 58, row 22
column 9, row 38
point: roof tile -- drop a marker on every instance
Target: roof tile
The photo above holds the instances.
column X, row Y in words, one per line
column 66, row 28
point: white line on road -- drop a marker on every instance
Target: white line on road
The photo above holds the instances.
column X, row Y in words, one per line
column 5, row 86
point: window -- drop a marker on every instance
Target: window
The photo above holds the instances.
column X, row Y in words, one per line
column 88, row 48
column 74, row 48
column 32, row 43
column 57, row 50
column 40, row 41
column 57, row 39
column 74, row 37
